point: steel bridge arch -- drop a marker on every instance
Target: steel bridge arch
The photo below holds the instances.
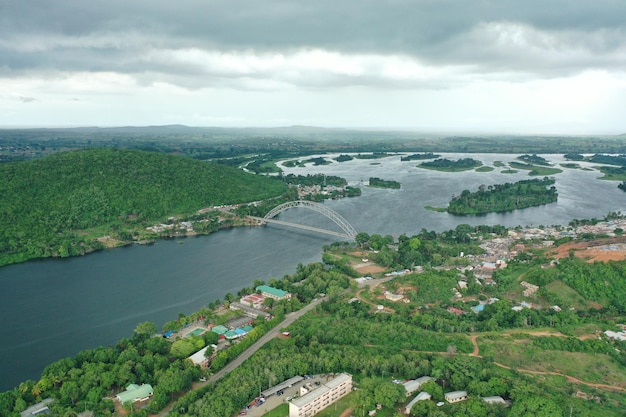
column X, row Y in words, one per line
column 320, row 208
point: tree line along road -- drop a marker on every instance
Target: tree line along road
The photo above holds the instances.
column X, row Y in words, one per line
column 291, row 317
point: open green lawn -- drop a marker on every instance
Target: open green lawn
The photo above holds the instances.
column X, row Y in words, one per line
column 280, row 411
column 588, row 367
column 335, row 410
column 567, row 294
column 612, row 173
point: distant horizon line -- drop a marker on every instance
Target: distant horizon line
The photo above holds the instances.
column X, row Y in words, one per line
column 421, row 130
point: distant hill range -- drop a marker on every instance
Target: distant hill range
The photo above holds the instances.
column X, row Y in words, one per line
column 46, row 204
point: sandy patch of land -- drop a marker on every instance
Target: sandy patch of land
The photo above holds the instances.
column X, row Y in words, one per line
column 600, row 250
column 108, row 241
column 367, row 268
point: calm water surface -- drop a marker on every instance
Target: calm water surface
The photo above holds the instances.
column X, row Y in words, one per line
column 51, row 309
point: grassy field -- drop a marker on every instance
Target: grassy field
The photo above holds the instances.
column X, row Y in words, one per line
column 612, row 173
column 567, row 294
column 515, row 352
column 280, row 411
column 335, row 410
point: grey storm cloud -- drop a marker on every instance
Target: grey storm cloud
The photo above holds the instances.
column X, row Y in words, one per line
column 533, row 36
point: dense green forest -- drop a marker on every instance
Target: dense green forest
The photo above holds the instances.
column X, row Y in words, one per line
column 444, row 164
column 379, row 182
column 504, row 197
column 47, row 204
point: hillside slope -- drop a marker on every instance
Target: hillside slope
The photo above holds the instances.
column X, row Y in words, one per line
column 44, row 203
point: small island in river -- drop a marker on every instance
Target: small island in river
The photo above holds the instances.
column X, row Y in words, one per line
column 447, row 165
column 380, row 183
column 504, row 197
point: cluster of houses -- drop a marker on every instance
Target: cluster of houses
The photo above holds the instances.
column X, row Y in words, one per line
column 175, row 224
column 236, row 329
column 529, row 289
column 255, row 300
column 414, row 385
column 305, row 191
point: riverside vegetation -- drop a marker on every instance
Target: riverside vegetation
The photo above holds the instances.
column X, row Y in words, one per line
column 418, row 337
column 81, row 201
column 61, row 204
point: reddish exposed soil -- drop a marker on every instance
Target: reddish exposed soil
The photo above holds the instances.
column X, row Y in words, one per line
column 600, row 250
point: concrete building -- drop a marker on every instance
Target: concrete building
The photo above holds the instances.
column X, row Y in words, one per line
column 272, row 292
column 198, row 358
column 456, row 396
column 320, row 398
column 253, row 300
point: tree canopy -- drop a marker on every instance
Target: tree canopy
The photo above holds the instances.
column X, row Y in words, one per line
column 45, row 202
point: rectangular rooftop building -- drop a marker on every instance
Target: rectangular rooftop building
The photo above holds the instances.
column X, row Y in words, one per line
column 272, row 292
column 320, row 398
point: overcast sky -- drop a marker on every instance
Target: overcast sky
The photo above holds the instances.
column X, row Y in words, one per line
column 506, row 66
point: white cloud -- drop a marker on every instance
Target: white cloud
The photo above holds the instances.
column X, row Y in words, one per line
column 299, row 68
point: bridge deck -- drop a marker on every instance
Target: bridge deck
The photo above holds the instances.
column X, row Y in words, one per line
column 302, row 226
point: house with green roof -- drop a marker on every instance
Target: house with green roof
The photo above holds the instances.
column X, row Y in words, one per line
column 219, row 329
column 272, row 292
column 135, row 393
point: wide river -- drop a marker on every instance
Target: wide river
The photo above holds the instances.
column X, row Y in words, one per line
column 51, row 309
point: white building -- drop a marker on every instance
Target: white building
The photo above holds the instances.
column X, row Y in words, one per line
column 496, row 399
column 320, row 398
column 456, row 396
column 415, row 385
column 199, row 357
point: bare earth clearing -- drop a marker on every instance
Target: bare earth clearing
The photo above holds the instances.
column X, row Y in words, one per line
column 600, row 250
column 365, row 267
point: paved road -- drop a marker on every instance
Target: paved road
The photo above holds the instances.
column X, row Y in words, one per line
column 290, row 318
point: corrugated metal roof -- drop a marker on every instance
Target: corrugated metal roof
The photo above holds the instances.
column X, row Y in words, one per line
column 271, row 290
column 134, row 392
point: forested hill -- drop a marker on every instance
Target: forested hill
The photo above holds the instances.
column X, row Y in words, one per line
column 44, row 202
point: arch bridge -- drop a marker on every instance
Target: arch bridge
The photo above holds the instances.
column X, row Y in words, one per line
column 348, row 231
